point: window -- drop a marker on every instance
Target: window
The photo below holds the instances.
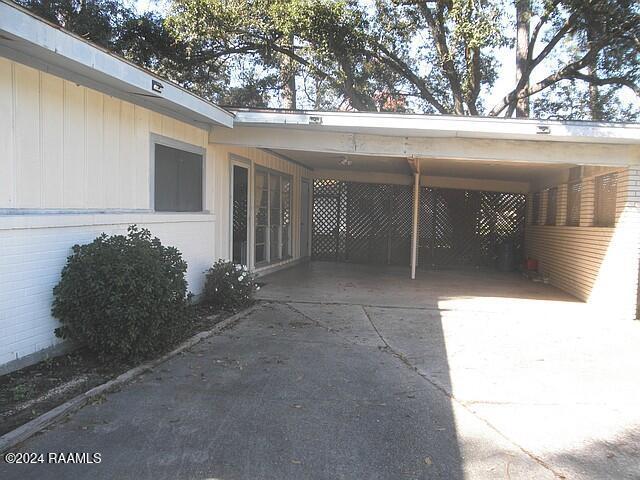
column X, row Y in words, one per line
column 261, row 207
column 552, row 205
column 285, row 247
column 605, row 200
column 177, row 180
column 574, row 194
column 273, row 216
column 535, row 208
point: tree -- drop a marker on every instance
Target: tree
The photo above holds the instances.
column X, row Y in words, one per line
column 523, row 24
column 608, row 33
column 140, row 38
column 615, row 42
column 95, row 20
column 430, row 56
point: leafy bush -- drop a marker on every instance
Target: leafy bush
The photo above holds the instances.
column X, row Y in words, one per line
column 123, row 296
column 229, row 286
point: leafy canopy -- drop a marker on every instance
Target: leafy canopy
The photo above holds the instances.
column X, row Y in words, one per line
column 434, row 56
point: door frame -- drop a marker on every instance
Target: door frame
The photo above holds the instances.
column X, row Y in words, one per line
column 238, row 161
column 308, row 181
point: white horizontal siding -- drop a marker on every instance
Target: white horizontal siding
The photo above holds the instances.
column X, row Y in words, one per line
column 597, row 265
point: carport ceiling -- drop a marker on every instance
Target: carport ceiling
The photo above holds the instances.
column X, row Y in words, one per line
column 486, row 170
column 361, row 163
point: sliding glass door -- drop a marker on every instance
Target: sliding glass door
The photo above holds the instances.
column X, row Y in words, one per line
column 262, row 220
column 272, row 216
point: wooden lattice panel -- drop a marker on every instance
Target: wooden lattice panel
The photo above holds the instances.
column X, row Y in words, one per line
column 328, row 220
column 371, row 223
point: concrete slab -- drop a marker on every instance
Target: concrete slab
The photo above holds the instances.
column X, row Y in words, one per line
column 552, row 376
column 353, row 379
column 370, row 285
column 278, row 396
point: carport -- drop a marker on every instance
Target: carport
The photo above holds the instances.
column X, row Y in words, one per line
column 437, row 192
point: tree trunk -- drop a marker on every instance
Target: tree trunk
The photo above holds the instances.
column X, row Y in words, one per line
column 288, row 78
column 595, row 106
column 523, row 19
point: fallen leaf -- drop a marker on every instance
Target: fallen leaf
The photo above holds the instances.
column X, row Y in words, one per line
column 428, row 461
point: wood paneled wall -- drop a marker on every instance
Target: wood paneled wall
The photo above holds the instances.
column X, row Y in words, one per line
column 66, row 146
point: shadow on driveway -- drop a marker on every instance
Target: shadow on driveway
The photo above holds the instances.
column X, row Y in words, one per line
column 279, row 396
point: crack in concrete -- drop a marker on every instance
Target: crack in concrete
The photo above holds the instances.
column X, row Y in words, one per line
column 462, row 404
column 399, row 307
column 388, row 348
column 390, row 307
column 326, row 327
column 539, row 404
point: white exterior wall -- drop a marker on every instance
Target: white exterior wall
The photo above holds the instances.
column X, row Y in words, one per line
column 34, row 248
column 75, row 163
column 67, row 146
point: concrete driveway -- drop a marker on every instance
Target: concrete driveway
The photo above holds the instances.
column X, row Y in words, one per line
column 351, row 385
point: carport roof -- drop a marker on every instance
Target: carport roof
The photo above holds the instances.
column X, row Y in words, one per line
column 420, row 125
column 328, row 140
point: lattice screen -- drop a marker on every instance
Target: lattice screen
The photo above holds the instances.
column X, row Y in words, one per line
column 371, row 223
column 329, row 226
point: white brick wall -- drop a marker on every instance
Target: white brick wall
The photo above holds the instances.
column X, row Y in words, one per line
column 34, row 248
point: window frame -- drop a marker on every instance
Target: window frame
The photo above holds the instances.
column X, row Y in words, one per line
column 156, row 139
column 268, row 172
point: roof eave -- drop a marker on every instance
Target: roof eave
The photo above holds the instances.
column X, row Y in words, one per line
column 444, row 126
column 36, row 43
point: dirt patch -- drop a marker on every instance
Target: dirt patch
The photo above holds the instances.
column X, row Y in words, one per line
column 34, row 390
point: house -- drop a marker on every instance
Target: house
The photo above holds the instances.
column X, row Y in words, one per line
column 90, row 143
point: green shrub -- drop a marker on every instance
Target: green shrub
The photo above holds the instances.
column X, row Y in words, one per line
column 122, row 296
column 229, row 286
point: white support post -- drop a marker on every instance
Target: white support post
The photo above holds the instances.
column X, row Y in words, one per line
column 414, row 230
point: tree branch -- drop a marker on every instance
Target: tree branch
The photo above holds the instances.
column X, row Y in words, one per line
column 594, row 80
column 566, row 73
column 566, row 28
column 401, row 67
column 437, row 27
column 531, row 63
